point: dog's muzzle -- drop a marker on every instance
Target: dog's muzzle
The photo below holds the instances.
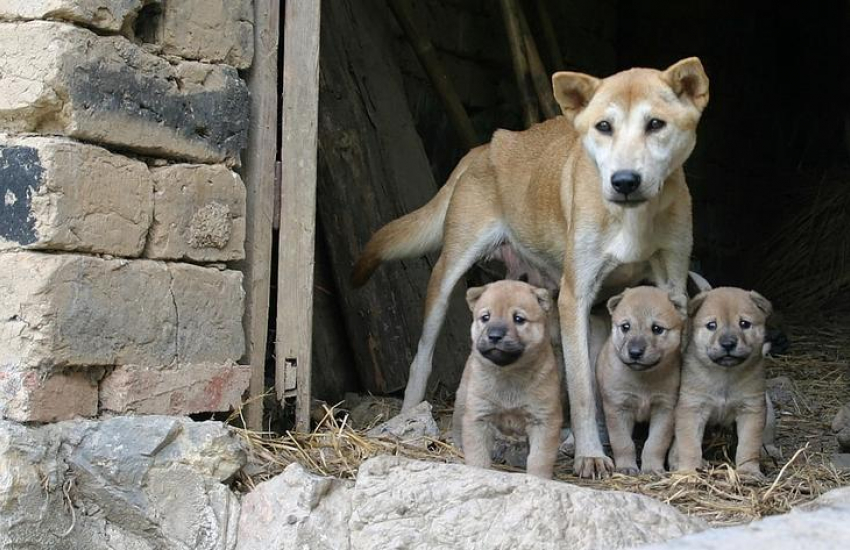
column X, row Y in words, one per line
column 501, row 354
column 727, row 359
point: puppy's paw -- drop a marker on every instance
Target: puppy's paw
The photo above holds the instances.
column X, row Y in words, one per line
column 652, row 469
column 751, row 472
column 629, row 470
column 593, row 467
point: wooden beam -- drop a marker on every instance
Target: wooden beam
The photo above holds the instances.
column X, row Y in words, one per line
column 298, row 153
column 542, row 81
column 259, row 173
column 427, row 55
column 510, row 14
column 550, row 37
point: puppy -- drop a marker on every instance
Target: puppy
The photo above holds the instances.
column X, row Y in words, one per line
column 511, row 382
column 723, row 378
column 637, row 373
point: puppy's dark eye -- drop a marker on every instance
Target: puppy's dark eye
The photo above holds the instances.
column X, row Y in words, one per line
column 745, row 324
column 519, row 319
column 711, row 325
column 655, row 124
column 625, row 327
column 485, row 317
column 657, row 329
column 604, row 127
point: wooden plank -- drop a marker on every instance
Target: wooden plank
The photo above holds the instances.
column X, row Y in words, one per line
column 259, row 175
column 510, row 13
column 298, row 200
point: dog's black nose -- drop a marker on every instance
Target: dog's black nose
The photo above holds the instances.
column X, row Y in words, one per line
column 625, row 181
column 728, row 342
column 496, row 332
column 636, row 350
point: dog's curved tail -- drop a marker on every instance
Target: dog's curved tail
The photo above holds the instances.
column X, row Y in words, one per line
column 412, row 235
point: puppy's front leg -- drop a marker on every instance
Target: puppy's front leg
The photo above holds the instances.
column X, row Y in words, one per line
column 590, row 459
column 543, row 441
column 477, row 441
column 690, row 426
column 750, row 431
column 661, row 426
column 621, row 424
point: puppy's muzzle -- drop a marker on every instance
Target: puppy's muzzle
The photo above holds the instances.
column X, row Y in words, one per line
column 496, row 348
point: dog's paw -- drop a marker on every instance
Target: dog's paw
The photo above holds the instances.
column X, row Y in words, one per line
column 593, row 467
column 750, row 472
column 629, row 470
column 652, row 469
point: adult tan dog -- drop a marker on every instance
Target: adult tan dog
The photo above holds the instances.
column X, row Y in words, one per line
column 598, row 195
column 638, row 374
column 511, row 381
column 723, row 379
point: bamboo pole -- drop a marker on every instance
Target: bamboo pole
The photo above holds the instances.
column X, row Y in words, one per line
column 427, row 55
column 542, row 82
column 510, row 14
column 550, row 37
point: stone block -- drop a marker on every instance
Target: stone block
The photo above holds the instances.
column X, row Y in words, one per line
column 30, row 396
column 59, row 310
column 59, row 194
column 182, row 389
column 61, row 79
column 107, row 15
column 199, row 214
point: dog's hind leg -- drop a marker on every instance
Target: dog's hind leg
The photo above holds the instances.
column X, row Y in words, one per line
column 463, row 247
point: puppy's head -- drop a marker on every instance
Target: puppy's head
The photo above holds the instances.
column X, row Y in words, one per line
column 638, row 126
column 728, row 326
column 646, row 326
column 509, row 320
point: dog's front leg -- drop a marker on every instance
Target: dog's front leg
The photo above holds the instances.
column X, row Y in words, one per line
column 750, row 431
column 574, row 303
column 690, row 421
column 669, row 269
column 621, row 424
column 543, row 440
column 477, row 441
column 661, row 426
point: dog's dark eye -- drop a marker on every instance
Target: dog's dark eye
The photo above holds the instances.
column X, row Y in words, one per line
column 655, row 124
column 712, row 325
column 656, row 329
column 485, row 317
column 745, row 324
column 625, row 327
column 519, row 319
column 604, row 127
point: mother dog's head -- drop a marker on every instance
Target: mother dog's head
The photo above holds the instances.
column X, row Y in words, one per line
column 638, row 125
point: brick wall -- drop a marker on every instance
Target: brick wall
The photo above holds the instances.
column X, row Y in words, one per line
column 121, row 123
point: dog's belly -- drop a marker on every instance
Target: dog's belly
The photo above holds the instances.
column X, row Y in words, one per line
column 511, row 422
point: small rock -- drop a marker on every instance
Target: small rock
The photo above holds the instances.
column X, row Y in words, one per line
column 784, row 394
column 841, row 427
column 841, row 461
column 368, row 410
column 412, row 427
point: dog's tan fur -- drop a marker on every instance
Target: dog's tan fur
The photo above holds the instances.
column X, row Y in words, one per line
column 643, row 388
column 713, row 393
column 548, row 193
column 521, row 397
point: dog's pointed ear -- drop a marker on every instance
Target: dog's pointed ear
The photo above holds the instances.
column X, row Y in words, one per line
column 762, row 303
column 696, row 302
column 688, row 80
column 614, row 301
column 473, row 294
column 680, row 302
column 544, row 298
column 573, row 91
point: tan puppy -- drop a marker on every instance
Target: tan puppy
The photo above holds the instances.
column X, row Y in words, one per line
column 595, row 200
column 638, row 374
column 723, row 376
column 511, row 381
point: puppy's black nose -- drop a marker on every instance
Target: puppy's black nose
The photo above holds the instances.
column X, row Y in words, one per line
column 636, row 350
column 625, row 181
column 728, row 342
column 496, row 332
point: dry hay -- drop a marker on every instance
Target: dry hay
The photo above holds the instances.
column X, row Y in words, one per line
column 816, row 366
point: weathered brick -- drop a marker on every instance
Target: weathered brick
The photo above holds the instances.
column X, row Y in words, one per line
column 59, row 310
column 214, row 31
column 199, row 214
column 107, row 15
column 182, row 389
column 30, row 396
column 63, row 195
column 61, row 79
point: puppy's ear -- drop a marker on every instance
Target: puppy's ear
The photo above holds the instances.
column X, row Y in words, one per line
column 762, row 303
column 614, row 301
column 680, row 302
column 689, row 81
column 573, row 91
column 544, row 298
column 472, row 296
column 696, row 302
